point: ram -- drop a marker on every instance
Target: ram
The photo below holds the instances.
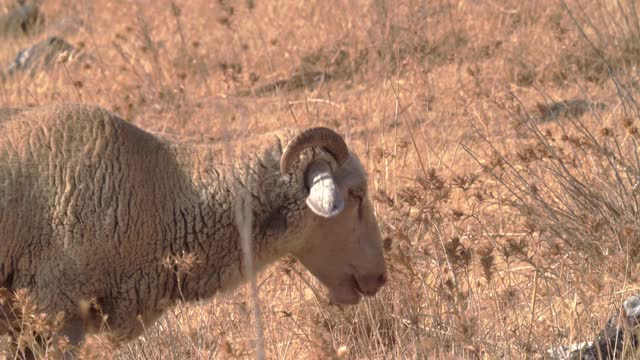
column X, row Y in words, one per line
column 91, row 208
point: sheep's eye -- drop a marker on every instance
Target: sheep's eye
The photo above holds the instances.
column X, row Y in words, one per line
column 359, row 197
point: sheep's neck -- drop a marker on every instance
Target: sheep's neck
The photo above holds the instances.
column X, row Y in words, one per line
column 206, row 251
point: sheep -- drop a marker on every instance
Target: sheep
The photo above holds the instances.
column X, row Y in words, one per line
column 91, row 208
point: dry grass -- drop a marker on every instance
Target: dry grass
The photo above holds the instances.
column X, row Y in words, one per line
column 501, row 140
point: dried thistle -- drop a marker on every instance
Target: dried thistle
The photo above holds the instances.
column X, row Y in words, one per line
column 387, row 243
column 487, row 261
column 457, row 254
column 464, row 182
column 606, row 132
column 175, row 9
column 63, row 57
column 465, row 328
column 182, row 263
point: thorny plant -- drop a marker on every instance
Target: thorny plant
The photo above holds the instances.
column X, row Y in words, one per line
column 528, row 243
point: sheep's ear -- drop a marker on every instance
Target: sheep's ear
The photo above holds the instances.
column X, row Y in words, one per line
column 325, row 197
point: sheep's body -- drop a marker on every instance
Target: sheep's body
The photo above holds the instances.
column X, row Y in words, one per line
column 91, row 207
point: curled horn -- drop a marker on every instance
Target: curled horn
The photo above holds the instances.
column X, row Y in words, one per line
column 318, row 136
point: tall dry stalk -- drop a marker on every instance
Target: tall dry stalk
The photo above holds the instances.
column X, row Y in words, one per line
column 244, row 219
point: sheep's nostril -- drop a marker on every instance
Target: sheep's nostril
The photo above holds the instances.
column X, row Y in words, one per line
column 370, row 284
column 382, row 279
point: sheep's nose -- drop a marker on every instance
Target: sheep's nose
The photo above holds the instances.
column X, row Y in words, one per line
column 369, row 284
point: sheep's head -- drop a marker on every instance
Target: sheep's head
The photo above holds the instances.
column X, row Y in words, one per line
column 342, row 247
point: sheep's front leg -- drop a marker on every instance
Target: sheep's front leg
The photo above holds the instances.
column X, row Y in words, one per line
column 74, row 330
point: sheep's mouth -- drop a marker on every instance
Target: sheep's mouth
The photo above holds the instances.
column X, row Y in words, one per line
column 356, row 286
column 347, row 293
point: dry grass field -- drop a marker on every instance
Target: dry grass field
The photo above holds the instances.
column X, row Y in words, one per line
column 500, row 137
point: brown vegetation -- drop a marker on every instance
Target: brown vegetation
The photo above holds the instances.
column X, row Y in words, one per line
column 501, row 139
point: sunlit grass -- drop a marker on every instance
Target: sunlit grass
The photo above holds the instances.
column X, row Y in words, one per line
column 510, row 215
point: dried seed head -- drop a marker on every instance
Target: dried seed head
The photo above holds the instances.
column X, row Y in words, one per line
column 606, row 131
column 63, row 57
column 342, row 351
column 487, row 261
column 387, row 243
column 175, row 9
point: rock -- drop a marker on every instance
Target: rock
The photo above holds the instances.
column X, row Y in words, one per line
column 42, row 56
column 65, row 25
column 564, row 352
column 22, row 20
column 567, row 108
column 301, row 80
column 620, row 333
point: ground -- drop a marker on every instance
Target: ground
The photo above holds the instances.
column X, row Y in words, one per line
column 500, row 139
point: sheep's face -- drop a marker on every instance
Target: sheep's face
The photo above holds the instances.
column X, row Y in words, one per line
column 342, row 247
